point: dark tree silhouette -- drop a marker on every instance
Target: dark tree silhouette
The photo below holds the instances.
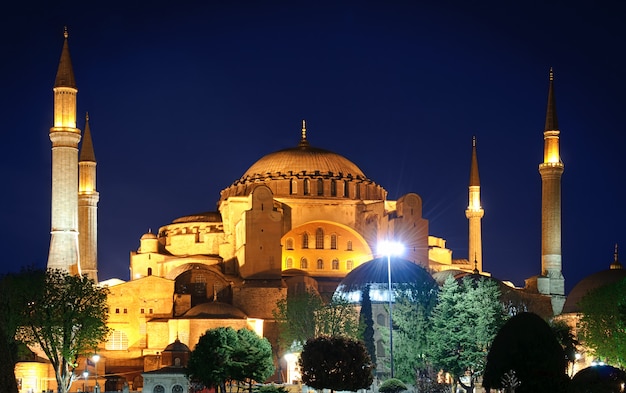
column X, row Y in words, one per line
column 368, row 323
column 336, row 363
column 527, row 346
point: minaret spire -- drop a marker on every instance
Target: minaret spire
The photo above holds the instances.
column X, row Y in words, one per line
column 88, row 199
column 551, row 281
column 64, row 135
column 475, row 213
column 616, row 263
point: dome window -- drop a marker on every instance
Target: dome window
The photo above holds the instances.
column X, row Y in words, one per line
column 305, row 240
column 320, row 187
column 333, row 241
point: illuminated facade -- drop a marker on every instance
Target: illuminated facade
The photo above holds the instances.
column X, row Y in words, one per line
column 298, row 218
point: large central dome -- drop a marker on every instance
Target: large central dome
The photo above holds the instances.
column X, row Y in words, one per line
column 304, row 159
column 306, row 171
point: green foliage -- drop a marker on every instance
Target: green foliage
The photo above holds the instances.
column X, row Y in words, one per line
column 603, row 328
column 336, row 363
column 368, row 323
column 565, row 336
column 271, row 389
column 14, row 290
column 526, row 346
column 66, row 318
column 464, row 324
column 296, row 318
column 411, row 312
column 392, row 385
column 224, row 354
column 304, row 315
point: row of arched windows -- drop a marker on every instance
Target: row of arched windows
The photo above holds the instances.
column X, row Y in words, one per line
column 161, row 389
column 304, row 264
column 319, row 241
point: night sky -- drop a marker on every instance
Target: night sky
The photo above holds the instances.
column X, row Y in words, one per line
column 184, row 96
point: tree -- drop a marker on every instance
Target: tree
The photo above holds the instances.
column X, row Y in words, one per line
column 210, row 361
column 368, row 323
column 296, row 317
column 526, row 348
column 336, row 363
column 602, row 327
column 252, row 358
column 14, row 292
column 66, row 318
column 411, row 313
column 565, row 336
column 465, row 321
column 304, row 315
column 392, row 385
column 224, row 354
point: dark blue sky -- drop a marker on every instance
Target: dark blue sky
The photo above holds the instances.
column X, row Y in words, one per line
column 184, row 96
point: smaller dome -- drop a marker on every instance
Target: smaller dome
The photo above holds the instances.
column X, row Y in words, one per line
column 148, row 235
column 374, row 273
column 215, row 310
column 177, row 346
column 199, row 217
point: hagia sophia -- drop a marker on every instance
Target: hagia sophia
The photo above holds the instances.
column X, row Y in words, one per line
column 300, row 218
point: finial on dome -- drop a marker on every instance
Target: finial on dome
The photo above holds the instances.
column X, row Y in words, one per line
column 474, row 141
column 551, row 74
column 65, row 33
column 303, row 141
column 87, row 116
column 616, row 264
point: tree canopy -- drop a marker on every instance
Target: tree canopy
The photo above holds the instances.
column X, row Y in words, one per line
column 66, row 318
column 602, row 327
column 336, row 363
column 463, row 325
column 15, row 290
column 527, row 347
column 224, row 354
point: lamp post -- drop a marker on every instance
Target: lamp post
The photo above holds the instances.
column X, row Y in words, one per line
column 390, row 248
column 95, row 359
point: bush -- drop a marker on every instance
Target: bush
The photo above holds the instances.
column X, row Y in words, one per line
column 392, row 385
column 270, row 389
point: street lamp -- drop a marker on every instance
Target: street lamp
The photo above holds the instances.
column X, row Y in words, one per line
column 95, row 359
column 85, row 375
column 390, row 248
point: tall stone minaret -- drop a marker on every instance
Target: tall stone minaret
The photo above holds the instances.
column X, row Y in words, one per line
column 474, row 214
column 551, row 281
column 64, row 136
column 88, row 206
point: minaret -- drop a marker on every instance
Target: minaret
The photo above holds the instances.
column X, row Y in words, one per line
column 64, row 136
column 474, row 214
column 88, row 206
column 551, row 281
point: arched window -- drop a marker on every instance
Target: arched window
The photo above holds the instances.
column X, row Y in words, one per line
column 349, row 264
column 333, row 188
column 320, row 187
column 381, row 319
column 333, row 242
column 289, row 263
column 380, row 348
column 306, row 187
column 319, row 239
column 335, row 264
column 158, row 389
column 320, row 264
column 293, row 186
column 118, row 341
column 305, row 240
column 149, row 271
column 346, row 193
column 304, row 264
column 289, row 244
column 177, row 389
column 349, row 245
